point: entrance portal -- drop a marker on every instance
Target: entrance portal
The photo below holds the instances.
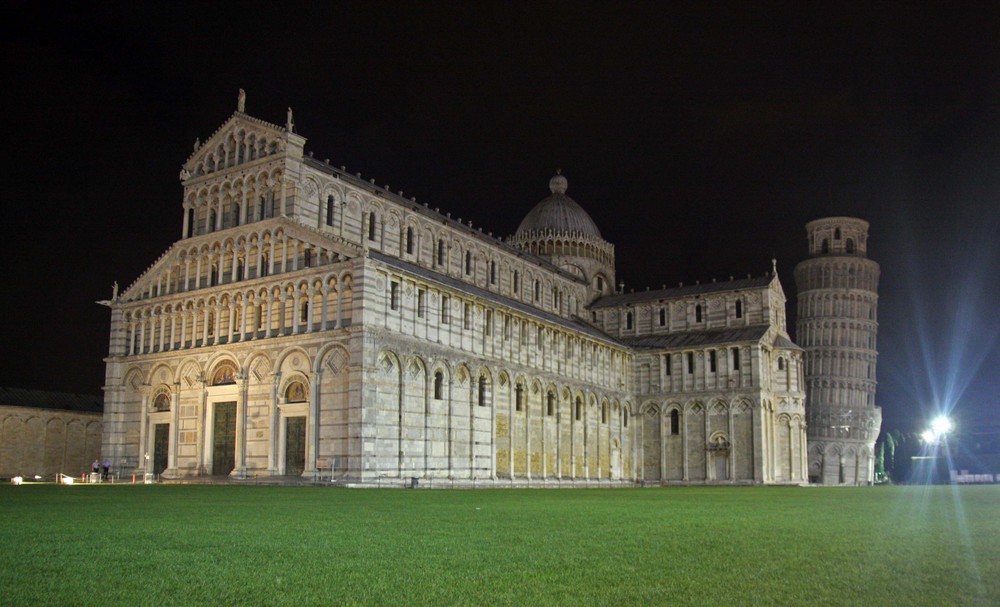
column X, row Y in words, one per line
column 295, row 445
column 161, row 446
column 224, row 438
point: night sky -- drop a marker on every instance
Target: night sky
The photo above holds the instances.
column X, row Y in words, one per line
column 700, row 138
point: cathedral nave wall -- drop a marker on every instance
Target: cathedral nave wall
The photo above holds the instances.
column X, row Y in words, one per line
column 372, row 217
column 424, row 309
column 442, row 414
column 676, row 314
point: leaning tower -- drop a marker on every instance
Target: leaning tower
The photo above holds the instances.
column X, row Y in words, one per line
column 837, row 325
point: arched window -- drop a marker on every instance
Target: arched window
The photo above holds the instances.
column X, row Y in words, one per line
column 625, row 417
column 736, row 359
column 468, row 263
column 538, row 290
column 409, row 241
column 295, row 393
column 440, row 255
column 628, row 320
column 493, row 272
column 210, row 227
column 371, row 225
column 482, row 390
column 329, row 210
column 690, row 362
column 836, row 234
column 850, row 245
column 675, row 422
column 739, row 308
column 599, row 282
column 190, row 226
column 304, row 312
column 519, row 397
column 579, row 408
column 517, row 281
column 438, row 385
column 445, row 309
column 825, row 247
column 781, row 363
column 697, row 313
column 711, row 361
column 604, row 413
column 550, row 405
column 663, row 317
column 394, row 295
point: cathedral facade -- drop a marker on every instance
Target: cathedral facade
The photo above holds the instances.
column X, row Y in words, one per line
column 309, row 322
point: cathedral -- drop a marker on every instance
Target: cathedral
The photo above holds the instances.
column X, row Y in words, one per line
column 313, row 324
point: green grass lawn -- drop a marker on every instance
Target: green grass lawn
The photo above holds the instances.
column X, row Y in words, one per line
column 226, row 545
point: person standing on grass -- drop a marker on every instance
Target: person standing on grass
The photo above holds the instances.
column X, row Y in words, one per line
column 96, row 466
column 105, row 467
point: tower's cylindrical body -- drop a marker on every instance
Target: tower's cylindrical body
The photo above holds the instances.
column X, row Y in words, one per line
column 837, row 326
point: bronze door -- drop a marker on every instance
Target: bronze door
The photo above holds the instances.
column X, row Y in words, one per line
column 295, row 445
column 224, row 439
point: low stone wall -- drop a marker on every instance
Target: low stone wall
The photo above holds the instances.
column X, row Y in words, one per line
column 46, row 442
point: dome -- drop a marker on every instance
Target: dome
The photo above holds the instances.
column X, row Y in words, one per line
column 558, row 213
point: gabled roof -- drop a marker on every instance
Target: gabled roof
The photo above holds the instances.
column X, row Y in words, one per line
column 301, row 232
column 692, row 339
column 40, row 399
column 781, row 341
column 695, row 339
column 626, row 299
column 474, row 291
column 246, row 120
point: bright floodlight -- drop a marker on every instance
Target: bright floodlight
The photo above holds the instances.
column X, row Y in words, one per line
column 941, row 425
column 17, row 480
column 929, row 436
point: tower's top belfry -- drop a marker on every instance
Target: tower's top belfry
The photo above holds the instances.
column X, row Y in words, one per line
column 838, row 236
